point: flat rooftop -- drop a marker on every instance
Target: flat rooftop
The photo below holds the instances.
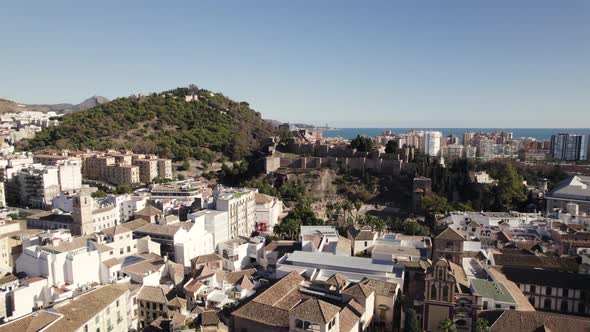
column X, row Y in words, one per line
column 330, row 261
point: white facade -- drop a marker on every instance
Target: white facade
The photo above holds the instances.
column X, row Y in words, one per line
column 216, row 223
column 70, row 175
column 432, row 143
column 241, row 207
column 193, row 243
column 268, row 211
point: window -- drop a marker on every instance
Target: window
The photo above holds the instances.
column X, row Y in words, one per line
column 581, row 308
column 564, row 306
column 121, row 251
column 547, row 304
column 96, row 319
column 450, row 245
column 85, row 328
column 298, row 324
column 548, row 290
column 366, row 243
column 433, row 292
column 533, row 289
column 445, row 293
column 498, row 306
column 128, row 249
column 565, row 292
column 485, row 305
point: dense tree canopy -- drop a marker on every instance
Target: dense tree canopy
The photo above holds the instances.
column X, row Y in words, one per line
column 361, row 143
column 162, row 123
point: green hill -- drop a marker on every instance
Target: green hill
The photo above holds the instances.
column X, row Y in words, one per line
column 162, row 123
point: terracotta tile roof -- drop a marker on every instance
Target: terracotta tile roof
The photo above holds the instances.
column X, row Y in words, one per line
column 263, row 199
column 235, row 277
column 112, row 262
column 192, row 286
column 358, row 291
column 534, row 321
column 177, row 302
column 135, row 224
column 165, row 230
column 522, row 302
column 83, row 308
column 274, row 293
column 356, row 307
column 348, row 319
column 451, row 234
column 365, row 235
column 206, row 259
column 30, row 323
column 382, row 288
column 74, row 244
column 117, row 229
column 148, row 211
column 8, row 278
column 152, row 294
column 540, row 262
column 459, row 274
column 209, row 318
column 272, row 306
column 316, row 310
column 315, row 239
column 145, row 266
column 264, row 314
column 337, row 280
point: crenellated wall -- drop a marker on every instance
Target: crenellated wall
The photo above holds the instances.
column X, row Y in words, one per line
column 374, row 165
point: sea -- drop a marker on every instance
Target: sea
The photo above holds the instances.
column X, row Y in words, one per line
column 538, row 133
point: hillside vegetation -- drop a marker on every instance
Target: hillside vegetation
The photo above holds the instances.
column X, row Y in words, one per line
column 9, row 106
column 162, row 123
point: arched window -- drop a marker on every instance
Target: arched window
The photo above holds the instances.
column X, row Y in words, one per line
column 445, row 293
column 440, row 273
column 433, row 292
column 547, row 304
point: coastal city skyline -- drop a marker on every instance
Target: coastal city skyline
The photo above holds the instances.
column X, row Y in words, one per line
column 296, row 166
column 460, row 63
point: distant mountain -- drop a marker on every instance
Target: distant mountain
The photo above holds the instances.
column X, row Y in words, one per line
column 8, row 106
column 164, row 123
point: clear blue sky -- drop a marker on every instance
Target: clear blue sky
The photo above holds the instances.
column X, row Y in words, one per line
column 349, row 63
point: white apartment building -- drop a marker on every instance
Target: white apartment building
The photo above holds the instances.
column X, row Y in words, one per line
column 240, row 253
column 241, row 207
column 70, row 174
column 216, row 223
column 37, row 185
column 432, row 143
column 180, row 241
column 268, row 212
column 103, row 309
column 452, row 151
column 76, row 262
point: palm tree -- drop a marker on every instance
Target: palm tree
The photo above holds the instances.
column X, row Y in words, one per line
column 347, row 207
column 329, row 210
column 357, row 206
column 447, row 325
